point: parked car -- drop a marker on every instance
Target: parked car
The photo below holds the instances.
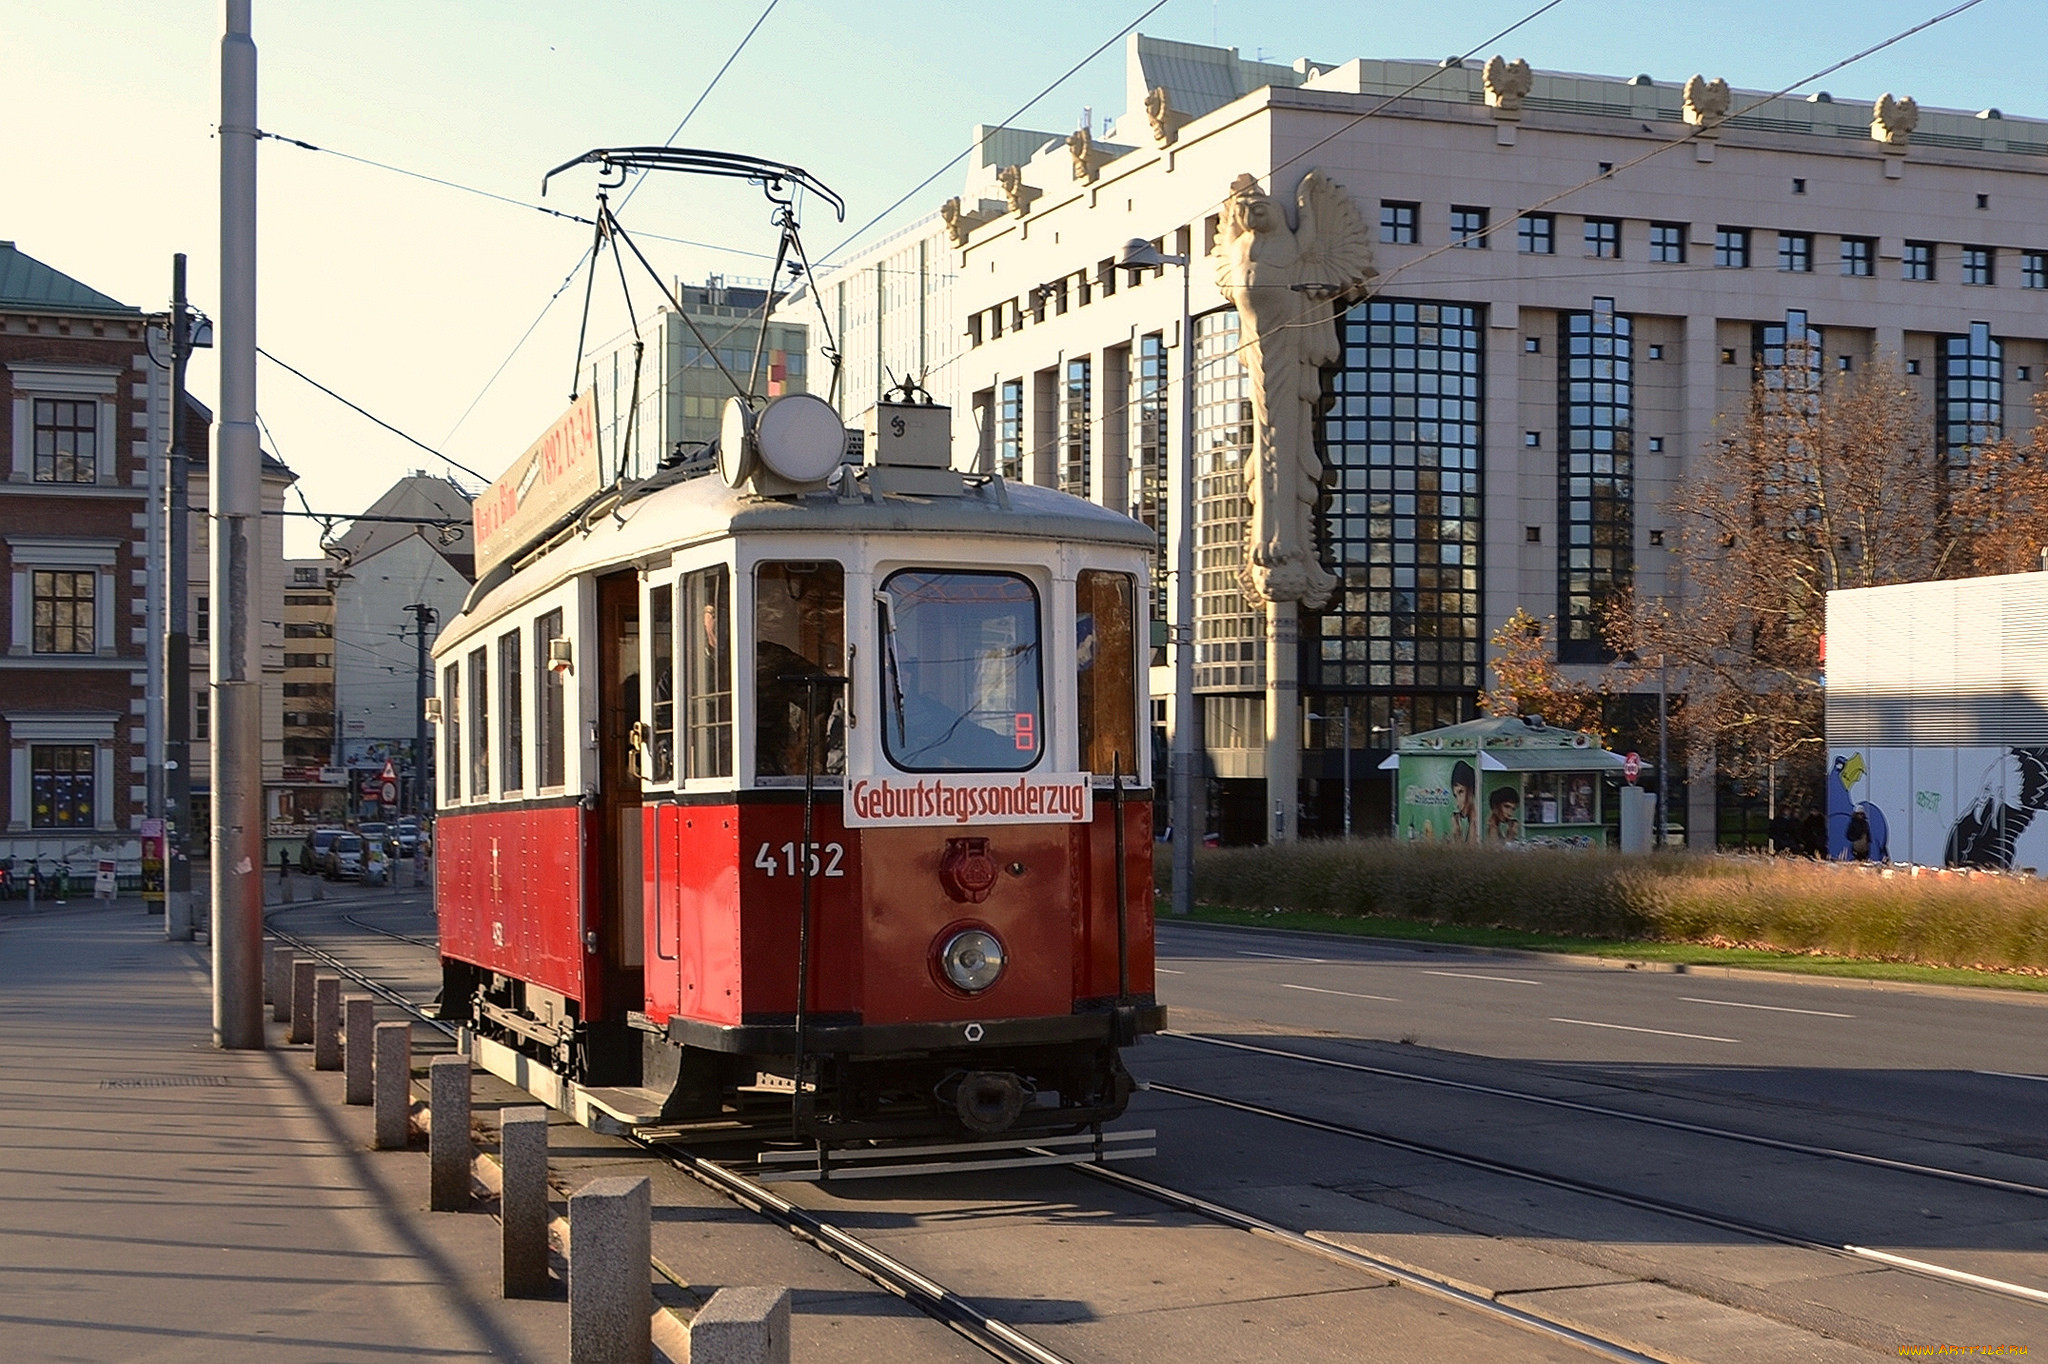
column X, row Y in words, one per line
column 379, row 834
column 313, row 852
column 344, row 858
column 408, row 836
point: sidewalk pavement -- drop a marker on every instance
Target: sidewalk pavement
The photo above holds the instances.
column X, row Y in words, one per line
column 164, row 1200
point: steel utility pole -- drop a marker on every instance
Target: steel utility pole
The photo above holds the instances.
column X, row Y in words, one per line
column 177, row 651
column 422, row 785
column 235, row 650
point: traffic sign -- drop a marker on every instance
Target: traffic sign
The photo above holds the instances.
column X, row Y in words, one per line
column 1630, row 767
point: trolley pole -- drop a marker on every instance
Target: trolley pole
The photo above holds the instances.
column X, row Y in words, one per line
column 236, row 547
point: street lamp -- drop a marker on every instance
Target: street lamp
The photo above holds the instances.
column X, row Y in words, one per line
column 1392, row 729
column 1140, row 254
column 1347, row 763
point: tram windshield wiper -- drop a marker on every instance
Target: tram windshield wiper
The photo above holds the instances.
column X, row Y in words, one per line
column 892, row 667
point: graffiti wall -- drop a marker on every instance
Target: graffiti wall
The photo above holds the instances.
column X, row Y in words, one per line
column 1940, row 807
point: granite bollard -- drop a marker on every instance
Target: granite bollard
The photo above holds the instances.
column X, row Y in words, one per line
column 394, row 1085
column 611, row 1298
column 450, row 1151
column 302, row 1001
column 359, row 1018
column 742, row 1326
column 280, row 984
column 327, row 1022
column 523, row 1200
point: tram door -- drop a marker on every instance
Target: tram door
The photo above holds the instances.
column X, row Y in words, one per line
column 618, row 785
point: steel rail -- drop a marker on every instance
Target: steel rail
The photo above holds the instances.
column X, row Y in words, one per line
column 411, row 1006
column 1753, row 1230
column 998, row 1338
column 1650, row 1119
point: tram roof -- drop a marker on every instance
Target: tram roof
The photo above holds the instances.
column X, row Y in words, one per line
column 696, row 511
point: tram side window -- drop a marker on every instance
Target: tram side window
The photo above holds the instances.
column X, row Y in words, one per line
column 1105, row 654
column 661, row 648
column 511, row 713
column 479, row 725
column 961, row 684
column 451, row 725
column 550, row 705
column 707, row 673
column 799, row 632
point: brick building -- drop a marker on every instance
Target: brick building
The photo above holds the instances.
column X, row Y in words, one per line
column 87, row 408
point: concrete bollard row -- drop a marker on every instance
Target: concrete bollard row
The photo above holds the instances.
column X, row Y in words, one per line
column 359, row 1017
column 327, row 1022
column 742, row 1326
column 278, row 984
column 523, row 1200
column 450, row 1151
column 611, row 1300
column 393, row 1076
column 302, row 1001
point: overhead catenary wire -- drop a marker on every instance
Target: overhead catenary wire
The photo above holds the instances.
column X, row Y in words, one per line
column 365, row 412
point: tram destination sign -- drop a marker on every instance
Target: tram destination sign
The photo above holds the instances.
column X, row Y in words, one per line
column 1038, row 798
column 556, row 475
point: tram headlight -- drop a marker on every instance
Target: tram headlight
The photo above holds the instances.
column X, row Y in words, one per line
column 973, row 958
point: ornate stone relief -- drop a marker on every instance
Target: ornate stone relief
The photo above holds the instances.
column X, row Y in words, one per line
column 1892, row 121
column 1706, row 104
column 1283, row 283
column 961, row 224
column 1017, row 195
column 1088, row 158
column 1507, row 85
column 1166, row 120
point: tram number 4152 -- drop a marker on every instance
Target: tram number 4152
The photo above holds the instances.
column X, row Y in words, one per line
column 781, row 860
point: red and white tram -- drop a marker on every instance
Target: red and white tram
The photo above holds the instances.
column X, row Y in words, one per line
column 760, row 781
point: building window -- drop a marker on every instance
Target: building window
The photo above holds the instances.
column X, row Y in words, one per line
column 67, row 440
column 1536, row 234
column 1397, row 222
column 1977, row 263
column 1795, row 252
column 1010, row 431
column 1603, row 238
column 1969, row 392
column 707, row 673
column 1468, row 226
column 512, row 712
column 61, row 786
column 1657, row 352
column 1859, row 255
column 1532, row 344
column 2034, row 269
column 550, row 705
column 1153, row 481
column 1791, row 353
column 1656, row 445
column 1667, row 242
column 1230, row 633
column 1596, row 476
column 64, row 610
column 202, row 620
column 1532, row 439
column 1406, row 439
column 1918, row 261
column 1075, row 464
column 202, row 714
column 1533, row 534
column 1798, row 185
column 1731, row 248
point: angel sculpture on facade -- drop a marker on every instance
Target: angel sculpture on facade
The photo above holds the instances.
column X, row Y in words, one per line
column 1283, row 283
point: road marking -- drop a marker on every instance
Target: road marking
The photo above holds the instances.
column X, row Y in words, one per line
column 1314, row 990
column 2015, row 1075
column 1774, row 1008
column 1466, row 975
column 1280, row 956
column 1623, row 1027
column 1164, row 971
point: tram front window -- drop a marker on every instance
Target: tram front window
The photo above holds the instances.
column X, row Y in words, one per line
column 799, row 633
column 961, row 686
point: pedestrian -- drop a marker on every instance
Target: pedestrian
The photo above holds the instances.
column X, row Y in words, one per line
column 284, row 866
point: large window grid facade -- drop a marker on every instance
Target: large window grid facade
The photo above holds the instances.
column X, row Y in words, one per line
column 1969, row 393
column 1596, row 475
column 1405, row 441
column 1076, row 411
column 1151, row 462
column 1229, row 634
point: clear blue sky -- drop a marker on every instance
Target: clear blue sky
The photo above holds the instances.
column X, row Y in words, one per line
column 406, row 296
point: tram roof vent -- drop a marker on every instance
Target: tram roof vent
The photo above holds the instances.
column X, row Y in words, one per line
column 909, row 449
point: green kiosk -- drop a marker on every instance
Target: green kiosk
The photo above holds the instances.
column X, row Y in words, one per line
column 1503, row 780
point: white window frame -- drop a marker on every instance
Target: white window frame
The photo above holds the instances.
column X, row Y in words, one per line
column 31, row 552
column 64, row 383
column 26, row 728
